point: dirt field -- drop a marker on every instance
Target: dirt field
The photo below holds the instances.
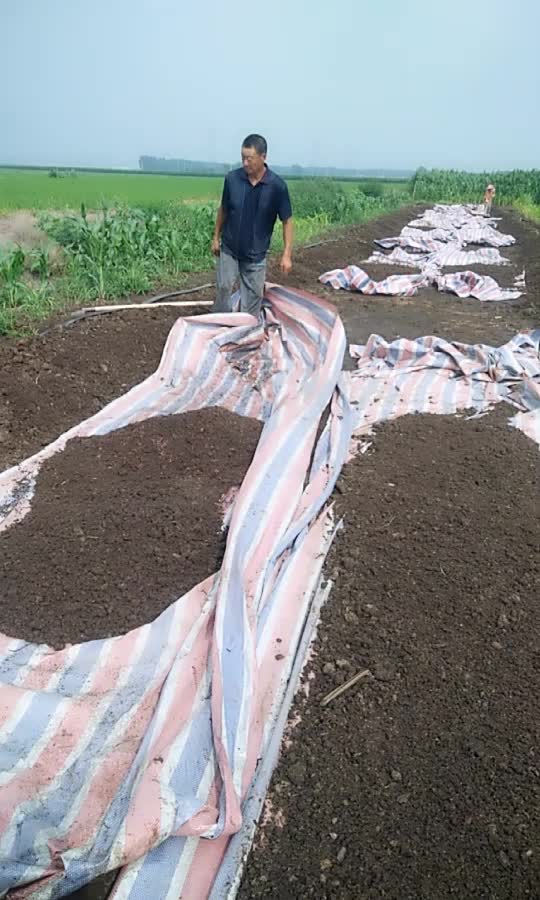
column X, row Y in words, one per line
column 423, row 781
column 116, row 510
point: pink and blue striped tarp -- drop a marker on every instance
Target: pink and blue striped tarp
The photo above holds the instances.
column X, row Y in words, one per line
column 433, row 375
column 464, row 284
column 428, row 241
column 452, row 216
column 137, row 752
column 442, row 243
column 353, row 278
column 449, row 254
column 432, row 250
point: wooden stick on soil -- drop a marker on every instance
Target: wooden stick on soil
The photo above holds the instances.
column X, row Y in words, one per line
column 160, row 297
column 89, row 312
column 96, row 310
column 344, row 687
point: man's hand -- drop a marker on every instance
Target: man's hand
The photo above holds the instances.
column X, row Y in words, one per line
column 216, row 246
column 286, row 263
column 288, row 233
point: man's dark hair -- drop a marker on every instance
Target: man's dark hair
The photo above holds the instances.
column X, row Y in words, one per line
column 256, row 142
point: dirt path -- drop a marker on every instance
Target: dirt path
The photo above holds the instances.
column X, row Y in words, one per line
column 404, row 761
column 422, row 782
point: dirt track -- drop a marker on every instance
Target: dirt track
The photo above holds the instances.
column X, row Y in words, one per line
column 401, row 777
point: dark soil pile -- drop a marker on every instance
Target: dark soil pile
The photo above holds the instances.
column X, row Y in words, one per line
column 422, row 782
column 51, row 383
column 122, row 525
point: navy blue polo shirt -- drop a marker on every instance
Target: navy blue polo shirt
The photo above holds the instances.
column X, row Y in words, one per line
column 251, row 212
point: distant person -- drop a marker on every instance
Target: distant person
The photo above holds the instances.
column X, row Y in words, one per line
column 253, row 197
column 488, row 199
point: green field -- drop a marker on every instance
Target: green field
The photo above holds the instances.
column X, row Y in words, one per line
column 35, row 189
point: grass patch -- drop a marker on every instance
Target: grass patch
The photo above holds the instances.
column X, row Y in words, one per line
column 528, row 208
column 60, row 190
column 37, row 190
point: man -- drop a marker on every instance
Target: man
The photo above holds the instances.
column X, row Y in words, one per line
column 253, row 197
column 488, row 199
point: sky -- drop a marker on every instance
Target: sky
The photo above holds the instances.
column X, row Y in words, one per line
column 349, row 83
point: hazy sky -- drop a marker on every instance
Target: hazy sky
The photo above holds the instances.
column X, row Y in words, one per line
column 384, row 83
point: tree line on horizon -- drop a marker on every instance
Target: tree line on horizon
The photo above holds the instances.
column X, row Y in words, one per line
column 201, row 167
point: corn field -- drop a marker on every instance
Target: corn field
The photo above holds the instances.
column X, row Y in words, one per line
column 449, row 185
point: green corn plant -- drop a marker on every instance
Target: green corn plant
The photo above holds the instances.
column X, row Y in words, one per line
column 40, row 263
column 11, row 272
column 12, row 266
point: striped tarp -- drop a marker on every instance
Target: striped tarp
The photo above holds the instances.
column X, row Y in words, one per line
column 464, row 284
column 437, row 234
column 432, row 375
column 421, row 242
column 431, row 250
column 453, row 215
column 431, row 241
column 480, row 233
column 469, row 284
column 352, row 278
column 449, row 254
column 135, row 752
column 438, row 238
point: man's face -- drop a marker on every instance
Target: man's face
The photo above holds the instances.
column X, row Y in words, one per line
column 252, row 161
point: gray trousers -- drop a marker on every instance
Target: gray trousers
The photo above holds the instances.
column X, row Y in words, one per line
column 251, row 276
